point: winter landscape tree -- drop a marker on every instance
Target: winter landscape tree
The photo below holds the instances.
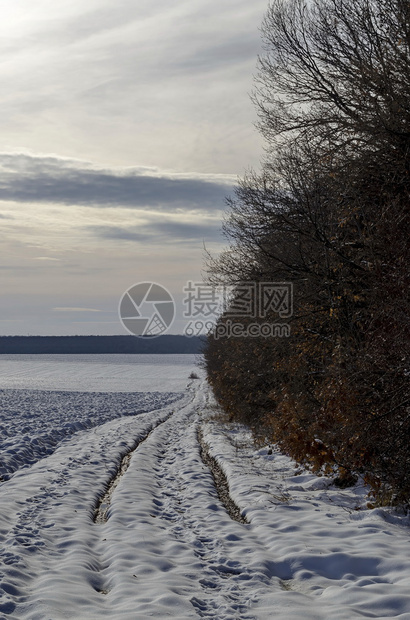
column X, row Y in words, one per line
column 329, row 212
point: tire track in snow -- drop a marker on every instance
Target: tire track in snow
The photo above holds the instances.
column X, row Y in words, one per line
column 220, row 480
column 100, row 512
column 169, row 547
column 104, row 502
column 226, row 579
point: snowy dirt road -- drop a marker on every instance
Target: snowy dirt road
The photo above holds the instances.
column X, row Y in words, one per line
column 167, row 546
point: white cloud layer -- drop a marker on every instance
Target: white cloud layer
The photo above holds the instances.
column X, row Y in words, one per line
column 163, row 84
column 49, row 179
column 124, row 126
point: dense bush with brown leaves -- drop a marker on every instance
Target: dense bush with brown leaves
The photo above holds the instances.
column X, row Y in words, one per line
column 329, row 212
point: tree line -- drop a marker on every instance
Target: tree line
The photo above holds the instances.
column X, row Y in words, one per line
column 328, row 212
column 35, row 345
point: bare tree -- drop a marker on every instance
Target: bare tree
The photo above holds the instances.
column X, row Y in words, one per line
column 329, row 211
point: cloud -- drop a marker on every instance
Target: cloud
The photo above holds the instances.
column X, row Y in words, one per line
column 68, row 309
column 172, row 232
column 47, row 258
column 47, row 179
column 162, row 83
column 118, row 233
column 118, row 84
column 189, row 231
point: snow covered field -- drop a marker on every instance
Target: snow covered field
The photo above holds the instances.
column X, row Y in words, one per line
column 96, row 373
column 167, row 547
column 44, row 398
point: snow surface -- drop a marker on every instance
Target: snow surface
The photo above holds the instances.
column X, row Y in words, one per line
column 96, row 373
column 34, row 422
column 169, row 548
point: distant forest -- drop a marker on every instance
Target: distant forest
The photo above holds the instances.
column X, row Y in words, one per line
column 99, row 344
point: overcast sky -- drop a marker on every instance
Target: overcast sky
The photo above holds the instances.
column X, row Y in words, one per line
column 123, row 126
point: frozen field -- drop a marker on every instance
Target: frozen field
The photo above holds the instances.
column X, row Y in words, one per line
column 46, row 398
column 96, row 373
column 121, row 519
